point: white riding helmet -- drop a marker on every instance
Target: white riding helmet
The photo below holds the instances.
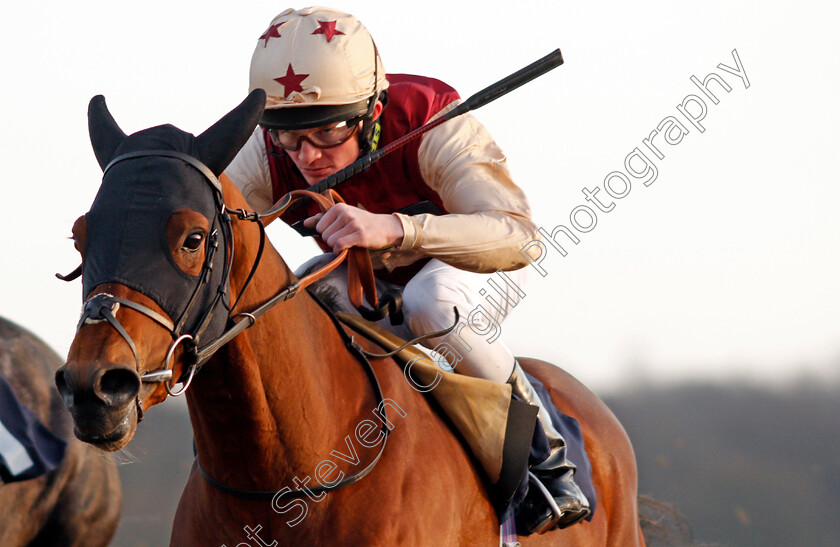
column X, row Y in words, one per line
column 317, row 66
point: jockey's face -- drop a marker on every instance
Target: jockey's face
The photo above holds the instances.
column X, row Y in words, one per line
column 316, row 164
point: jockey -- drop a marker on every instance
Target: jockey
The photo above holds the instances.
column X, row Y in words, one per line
column 439, row 215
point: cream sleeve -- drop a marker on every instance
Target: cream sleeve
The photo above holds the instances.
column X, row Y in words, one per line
column 489, row 217
column 249, row 172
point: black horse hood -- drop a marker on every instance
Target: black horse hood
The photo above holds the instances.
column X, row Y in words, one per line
column 148, row 176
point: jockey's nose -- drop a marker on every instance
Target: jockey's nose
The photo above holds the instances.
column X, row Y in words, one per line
column 114, row 387
column 308, row 152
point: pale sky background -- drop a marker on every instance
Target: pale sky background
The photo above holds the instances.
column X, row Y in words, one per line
column 726, row 267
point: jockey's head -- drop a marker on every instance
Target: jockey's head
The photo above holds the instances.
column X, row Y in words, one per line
column 325, row 87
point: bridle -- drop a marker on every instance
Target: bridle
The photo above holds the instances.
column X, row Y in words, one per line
column 103, row 307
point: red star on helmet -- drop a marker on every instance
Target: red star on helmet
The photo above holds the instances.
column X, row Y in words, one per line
column 271, row 33
column 327, row 28
column 291, row 81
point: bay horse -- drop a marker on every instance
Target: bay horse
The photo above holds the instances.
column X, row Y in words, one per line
column 285, row 405
column 77, row 504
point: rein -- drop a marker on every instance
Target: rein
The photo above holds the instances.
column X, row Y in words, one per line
column 360, row 282
column 103, row 307
column 360, row 277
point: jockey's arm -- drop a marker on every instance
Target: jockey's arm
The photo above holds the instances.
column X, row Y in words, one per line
column 489, row 218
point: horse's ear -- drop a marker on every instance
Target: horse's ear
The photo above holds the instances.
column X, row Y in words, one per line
column 222, row 141
column 105, row 134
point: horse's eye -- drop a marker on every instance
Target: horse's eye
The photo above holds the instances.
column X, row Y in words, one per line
column 193, row 241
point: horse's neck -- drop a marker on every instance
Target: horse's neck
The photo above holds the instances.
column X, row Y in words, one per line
column 274, row 399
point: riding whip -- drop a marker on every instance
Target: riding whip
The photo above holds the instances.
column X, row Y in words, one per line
column 486, row 95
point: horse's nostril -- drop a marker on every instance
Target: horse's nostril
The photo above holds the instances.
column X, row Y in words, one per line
column 63, row 388
column 118, row 386
column 60, row 382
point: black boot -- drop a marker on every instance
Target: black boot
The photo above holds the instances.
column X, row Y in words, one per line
column 554, row 500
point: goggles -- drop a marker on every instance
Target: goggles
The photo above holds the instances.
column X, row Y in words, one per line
column 327, row 136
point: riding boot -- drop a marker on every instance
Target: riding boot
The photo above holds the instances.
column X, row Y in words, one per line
column 554, row 476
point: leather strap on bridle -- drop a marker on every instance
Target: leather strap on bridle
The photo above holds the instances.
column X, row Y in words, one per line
column 360, row 277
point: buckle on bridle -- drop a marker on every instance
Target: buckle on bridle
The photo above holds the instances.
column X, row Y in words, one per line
column 166, row 368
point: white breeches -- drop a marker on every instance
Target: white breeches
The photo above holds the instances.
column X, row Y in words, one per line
column 483, row 302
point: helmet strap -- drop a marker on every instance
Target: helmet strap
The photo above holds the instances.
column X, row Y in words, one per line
column 374, row 140
column 371, row 129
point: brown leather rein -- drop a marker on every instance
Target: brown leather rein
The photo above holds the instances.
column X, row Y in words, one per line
column 360, row 280
column 360, row 283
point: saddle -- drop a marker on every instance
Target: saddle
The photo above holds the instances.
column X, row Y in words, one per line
column 500, row 431
column 497, row 429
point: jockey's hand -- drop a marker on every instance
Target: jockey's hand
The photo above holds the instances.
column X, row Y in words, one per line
column 345, row 226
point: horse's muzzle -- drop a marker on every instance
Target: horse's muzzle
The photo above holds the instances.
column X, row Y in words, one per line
column 103, row 404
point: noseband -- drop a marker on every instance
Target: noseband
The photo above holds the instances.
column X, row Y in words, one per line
column 103, row 306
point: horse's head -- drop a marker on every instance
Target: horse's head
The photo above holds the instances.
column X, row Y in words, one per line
column 156, row 254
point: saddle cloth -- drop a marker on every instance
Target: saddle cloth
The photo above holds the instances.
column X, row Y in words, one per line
column 498, row 430
column 27, row 448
